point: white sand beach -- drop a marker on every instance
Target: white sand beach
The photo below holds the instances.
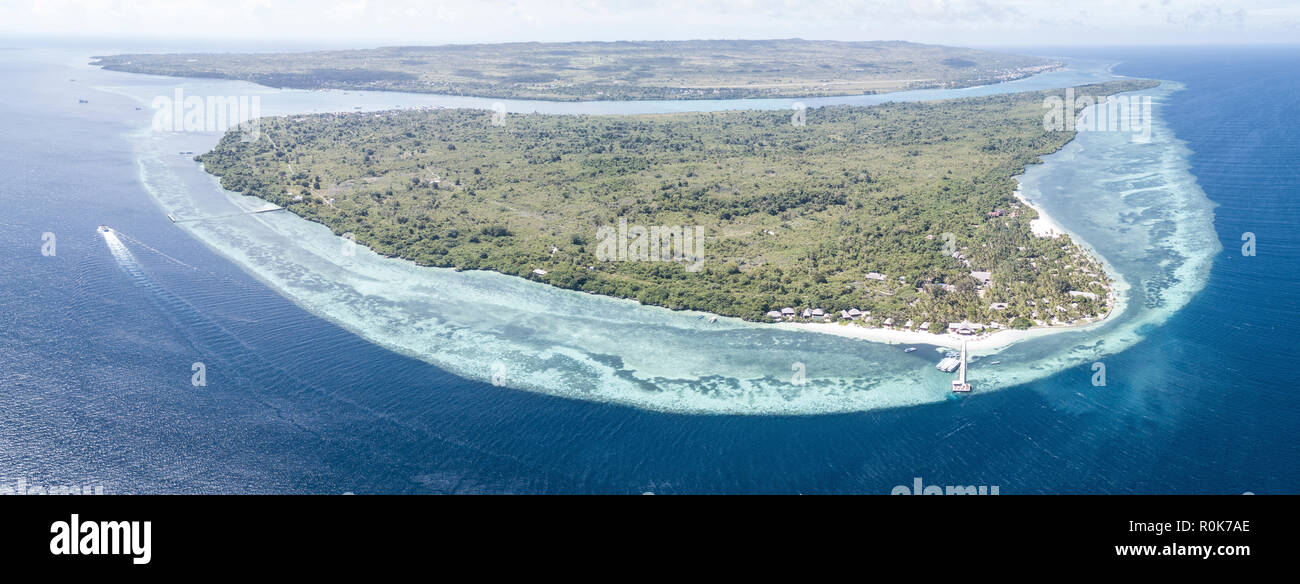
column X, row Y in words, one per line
column 981, row 344
column 987, row 342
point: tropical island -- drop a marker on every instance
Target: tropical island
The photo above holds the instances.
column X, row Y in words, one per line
column 901, row 215
column 624, row 70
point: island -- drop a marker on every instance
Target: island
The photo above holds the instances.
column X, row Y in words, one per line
column 582, row 71
column 899, row 215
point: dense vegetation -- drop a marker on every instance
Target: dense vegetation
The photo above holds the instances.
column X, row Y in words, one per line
column 616, row 71
column 792, row 215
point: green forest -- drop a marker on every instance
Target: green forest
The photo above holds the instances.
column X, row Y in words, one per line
column 886, row 208
column 625, row 70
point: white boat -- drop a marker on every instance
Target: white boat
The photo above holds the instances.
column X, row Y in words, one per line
column 909, row 350
column 104, row 229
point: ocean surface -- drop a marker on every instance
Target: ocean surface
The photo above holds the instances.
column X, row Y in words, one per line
column 328, row 373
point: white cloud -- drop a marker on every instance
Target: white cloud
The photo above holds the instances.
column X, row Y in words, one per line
column 437, row 21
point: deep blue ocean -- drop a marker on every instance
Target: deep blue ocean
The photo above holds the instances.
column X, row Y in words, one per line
column 95, row 367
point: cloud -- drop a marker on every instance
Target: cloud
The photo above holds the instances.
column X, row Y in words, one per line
column 441, row 21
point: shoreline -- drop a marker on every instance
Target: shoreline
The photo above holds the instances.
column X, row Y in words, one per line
column 988, row 343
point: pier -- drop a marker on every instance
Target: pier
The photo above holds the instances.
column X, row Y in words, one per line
column 960, row 385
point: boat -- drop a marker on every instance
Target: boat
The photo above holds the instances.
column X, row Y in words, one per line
column 104, row 229
column 960, row 385
column 994, row 362
column 948, row 364
column 909, row 350
column 713, row 320
column 83, row 101
column 170, row 216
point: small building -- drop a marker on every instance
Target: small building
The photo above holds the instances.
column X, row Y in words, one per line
column 889, row 322
column 985, row 278
column 540, row 272
column 844, row 314
column 908, row 324
column 818, row 313
column 925, row 326
column 1080, row 294
column 854, row 313
column 807, row 313
column 774, row 314
column 875, row 276
column 787, row 311
column 998, row 306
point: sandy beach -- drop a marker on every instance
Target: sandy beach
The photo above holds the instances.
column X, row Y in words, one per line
column 989, row 342
column 982, row 344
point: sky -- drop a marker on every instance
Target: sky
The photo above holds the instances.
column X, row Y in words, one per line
column 363, row 23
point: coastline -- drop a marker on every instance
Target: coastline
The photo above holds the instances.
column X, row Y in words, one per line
column 577, row 337
column 983, row 344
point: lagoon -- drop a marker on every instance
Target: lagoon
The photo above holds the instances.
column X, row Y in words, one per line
column 620, row 398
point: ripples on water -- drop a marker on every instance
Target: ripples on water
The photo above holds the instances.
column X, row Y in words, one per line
column 95, row 364
column 531, row 336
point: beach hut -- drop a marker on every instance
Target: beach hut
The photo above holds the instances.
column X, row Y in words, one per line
column 774, row 314
column 889, row 322
column 787, row 311
column 964, row 328
column 807, row 313
column 818, row 313
column 854, row 313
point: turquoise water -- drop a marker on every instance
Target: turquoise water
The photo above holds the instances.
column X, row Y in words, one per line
column 534, row 337
column 619, row 398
